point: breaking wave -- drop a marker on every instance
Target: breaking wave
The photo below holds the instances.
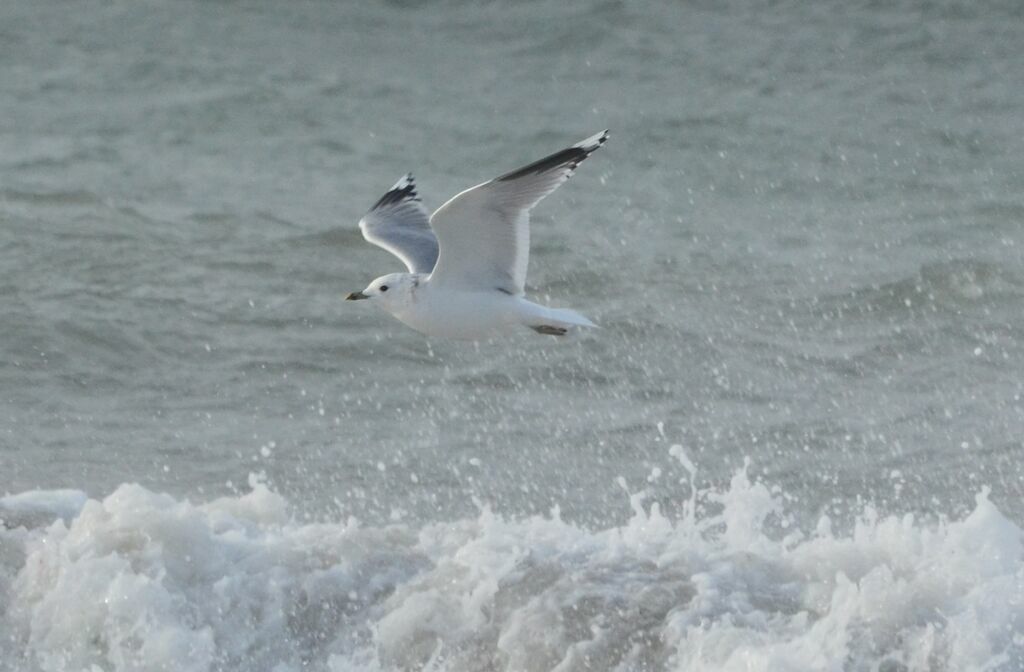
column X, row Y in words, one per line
column 144, row 581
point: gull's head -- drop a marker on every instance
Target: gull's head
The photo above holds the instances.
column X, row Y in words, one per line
column 389, row 291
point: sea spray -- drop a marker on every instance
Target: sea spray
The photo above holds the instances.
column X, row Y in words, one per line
column 140, row 580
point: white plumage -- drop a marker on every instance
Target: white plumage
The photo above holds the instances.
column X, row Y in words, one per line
column 468, row 261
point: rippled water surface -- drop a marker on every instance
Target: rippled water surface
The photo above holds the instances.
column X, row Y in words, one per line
column 802, row 243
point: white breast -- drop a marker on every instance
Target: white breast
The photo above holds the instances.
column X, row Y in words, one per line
column 460, row 314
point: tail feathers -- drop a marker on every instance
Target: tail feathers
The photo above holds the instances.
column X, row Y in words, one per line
column 563, row 317
column 555, row 321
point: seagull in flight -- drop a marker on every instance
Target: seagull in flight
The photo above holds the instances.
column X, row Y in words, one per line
column 467, row 262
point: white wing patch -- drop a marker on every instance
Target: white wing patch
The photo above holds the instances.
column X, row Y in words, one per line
column 399, row 223
column 484, row 232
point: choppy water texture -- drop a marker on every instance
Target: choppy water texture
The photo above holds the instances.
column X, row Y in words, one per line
column 795, row 444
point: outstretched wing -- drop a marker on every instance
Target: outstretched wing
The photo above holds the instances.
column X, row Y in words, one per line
column 399, row 223
column 484, row 232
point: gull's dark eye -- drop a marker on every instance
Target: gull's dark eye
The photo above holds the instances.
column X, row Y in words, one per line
column 383, row 288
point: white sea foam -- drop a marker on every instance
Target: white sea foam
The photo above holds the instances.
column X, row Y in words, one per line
column 142, row 581
column 32, row 508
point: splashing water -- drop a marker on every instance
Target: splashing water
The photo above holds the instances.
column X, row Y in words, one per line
column 238, row 584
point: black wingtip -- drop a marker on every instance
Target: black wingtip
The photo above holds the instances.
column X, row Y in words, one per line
column 570, row 157
column 404, row 189
column 594, row 142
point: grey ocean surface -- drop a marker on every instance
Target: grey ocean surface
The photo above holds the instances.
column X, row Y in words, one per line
column 802, row 243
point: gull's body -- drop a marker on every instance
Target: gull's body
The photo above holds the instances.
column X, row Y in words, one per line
column 468, row 313
column 468, row 260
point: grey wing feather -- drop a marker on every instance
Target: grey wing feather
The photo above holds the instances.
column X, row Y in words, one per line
column 485, row 231
column 400, row 224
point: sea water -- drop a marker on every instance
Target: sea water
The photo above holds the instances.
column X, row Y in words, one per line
column 794, row 444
